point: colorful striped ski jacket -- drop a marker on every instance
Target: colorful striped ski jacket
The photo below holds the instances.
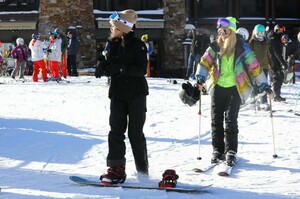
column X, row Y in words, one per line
column 246, row 66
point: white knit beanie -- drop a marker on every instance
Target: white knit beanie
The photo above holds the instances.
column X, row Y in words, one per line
column 124, row 21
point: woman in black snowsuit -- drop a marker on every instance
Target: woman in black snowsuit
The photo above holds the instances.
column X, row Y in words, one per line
column 126, row 65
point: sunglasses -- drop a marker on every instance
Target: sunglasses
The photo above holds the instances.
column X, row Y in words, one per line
column 115, row 17
column 223, row 22
column 223, row 33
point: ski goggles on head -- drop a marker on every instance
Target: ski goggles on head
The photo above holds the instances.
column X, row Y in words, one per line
column 223, row 22
column 115, row 17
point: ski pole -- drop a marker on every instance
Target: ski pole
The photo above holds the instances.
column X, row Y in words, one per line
column 296, row 97
column 199, row 132
column 273, row 135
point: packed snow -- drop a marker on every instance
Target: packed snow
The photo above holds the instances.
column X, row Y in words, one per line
column 49, row 131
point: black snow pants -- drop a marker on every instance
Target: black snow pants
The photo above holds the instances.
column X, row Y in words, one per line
column 225, row 104
column 131, row 113
column 277, row 81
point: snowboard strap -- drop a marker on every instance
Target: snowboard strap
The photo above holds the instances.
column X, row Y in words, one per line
column 169, row 179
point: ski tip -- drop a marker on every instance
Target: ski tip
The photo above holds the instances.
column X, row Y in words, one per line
column 197, row 170
column 224, row 174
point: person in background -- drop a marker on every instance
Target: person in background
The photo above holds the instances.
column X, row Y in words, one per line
column 230, row 64
column 37, row 55
column 64, row 46
column 54, row 56
column 298, row 53
column 1, row 62
column 126, row 64
column 289, row 51
column 144, row 38
column 277, row 63
column 19, row 53
column 259, row 45
column 199, row 43
column 244, row 33
column 72, row 54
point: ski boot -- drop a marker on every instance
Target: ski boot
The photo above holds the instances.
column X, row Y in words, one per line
column 230, row 158
column 169, row 179
column 217, row 157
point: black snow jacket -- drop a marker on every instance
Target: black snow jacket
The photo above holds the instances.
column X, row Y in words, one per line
column 275, row 50
column 127, row 64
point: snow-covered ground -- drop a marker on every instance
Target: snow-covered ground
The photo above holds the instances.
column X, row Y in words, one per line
column 49, row 131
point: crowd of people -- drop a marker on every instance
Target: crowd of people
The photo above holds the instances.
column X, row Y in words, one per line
column 276, row 52
column 238, row 67
column 274, row 49
column 53, row 59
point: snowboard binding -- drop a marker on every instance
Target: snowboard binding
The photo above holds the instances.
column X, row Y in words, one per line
column 169, row 179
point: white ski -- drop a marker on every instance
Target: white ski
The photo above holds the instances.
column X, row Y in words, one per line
column 224, row 169
column 206, row 168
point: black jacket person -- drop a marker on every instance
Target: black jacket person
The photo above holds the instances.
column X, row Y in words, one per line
column 278, row 64
column 126, row 65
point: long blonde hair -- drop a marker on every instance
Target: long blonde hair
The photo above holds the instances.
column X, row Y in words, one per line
column 227, row 47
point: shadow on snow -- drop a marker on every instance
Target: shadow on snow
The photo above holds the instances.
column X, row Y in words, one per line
column 43, row 141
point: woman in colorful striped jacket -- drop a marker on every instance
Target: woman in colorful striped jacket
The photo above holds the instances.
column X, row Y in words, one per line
column 231, row 67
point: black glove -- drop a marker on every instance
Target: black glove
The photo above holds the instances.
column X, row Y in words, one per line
column 49, row 50
column 101, row 67
column 214, row 45
column 98, row 72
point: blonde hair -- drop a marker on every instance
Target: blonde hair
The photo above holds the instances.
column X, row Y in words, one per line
column 227, row 47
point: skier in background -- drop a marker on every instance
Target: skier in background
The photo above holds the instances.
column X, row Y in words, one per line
column 144, row 38
column 64, row 46
column 54, row 55
column 72, row 53
column 289, row 51
column 244, row 33
column 19, row 53
column 259, row 45
column 37, row 55
column 277, row 63
column 199, row 43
